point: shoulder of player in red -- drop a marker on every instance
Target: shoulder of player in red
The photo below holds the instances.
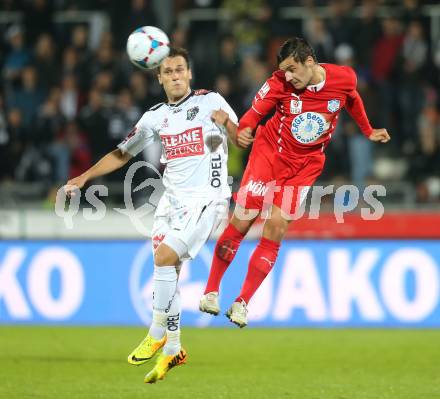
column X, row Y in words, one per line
column 341, row 76
column 264, row 101
column 276, row 84
column 271, row 91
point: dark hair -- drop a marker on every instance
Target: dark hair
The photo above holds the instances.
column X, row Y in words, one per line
column 298, row 48
column 176, row 52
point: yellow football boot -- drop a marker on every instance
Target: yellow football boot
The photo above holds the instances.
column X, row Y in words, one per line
column 146, row 350
column 165, row 363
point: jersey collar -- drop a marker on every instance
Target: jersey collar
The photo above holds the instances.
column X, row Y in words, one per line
column 319, row 86
column 316, row 87
column 188, row 96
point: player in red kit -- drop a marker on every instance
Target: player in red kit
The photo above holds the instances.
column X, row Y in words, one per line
column 286, row 159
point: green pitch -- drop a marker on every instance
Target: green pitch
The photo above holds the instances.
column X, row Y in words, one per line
column 62, row 363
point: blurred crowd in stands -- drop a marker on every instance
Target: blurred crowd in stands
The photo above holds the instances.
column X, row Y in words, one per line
column 68, row 93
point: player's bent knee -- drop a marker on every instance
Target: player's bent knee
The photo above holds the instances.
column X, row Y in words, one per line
column 242, row 226
column 274, row 229
column 170, row 252
column 165, row 256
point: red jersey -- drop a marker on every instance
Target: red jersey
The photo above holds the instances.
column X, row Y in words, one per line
column 304, row 120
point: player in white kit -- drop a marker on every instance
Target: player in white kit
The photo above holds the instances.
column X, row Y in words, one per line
column 193, row 127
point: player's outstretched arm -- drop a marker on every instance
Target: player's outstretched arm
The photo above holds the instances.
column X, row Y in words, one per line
column 107, row 164
column 355, row 107
column 380, row 135
column 221, row 118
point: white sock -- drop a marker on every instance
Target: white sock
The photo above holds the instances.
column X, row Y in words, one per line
column 172, row 346
column 158, row 325
column 164, row 289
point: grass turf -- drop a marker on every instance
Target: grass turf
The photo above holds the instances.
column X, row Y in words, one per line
column 76, row 362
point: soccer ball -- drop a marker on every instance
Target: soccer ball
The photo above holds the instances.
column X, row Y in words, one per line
column 147, row 47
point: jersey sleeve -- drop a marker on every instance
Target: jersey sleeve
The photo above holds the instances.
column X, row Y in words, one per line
column 222, row 104
column 350, row 79
column 268, row 96
column 264, row 101
column 141, row 136
column 355, row 105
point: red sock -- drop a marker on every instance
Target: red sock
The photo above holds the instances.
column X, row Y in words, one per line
column 225, row 250
column 260, row 264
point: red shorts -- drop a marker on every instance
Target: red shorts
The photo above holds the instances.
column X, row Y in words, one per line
column 275, row 178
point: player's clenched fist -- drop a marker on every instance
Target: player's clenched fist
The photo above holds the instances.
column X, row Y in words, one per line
column 220, row 117
column 380, row 135
column 245, row 138
column 74, row 184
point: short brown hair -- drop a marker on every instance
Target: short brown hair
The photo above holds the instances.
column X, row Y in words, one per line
column 176, row 52
column 298, row 48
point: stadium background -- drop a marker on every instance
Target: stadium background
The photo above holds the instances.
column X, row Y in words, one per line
column 68, row 95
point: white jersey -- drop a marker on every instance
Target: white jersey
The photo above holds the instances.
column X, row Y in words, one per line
column 194, row 148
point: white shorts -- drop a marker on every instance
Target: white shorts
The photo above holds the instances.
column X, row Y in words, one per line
column 190, row 221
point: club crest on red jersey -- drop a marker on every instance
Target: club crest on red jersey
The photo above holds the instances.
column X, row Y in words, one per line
column 333, row 105
column 296, row 106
